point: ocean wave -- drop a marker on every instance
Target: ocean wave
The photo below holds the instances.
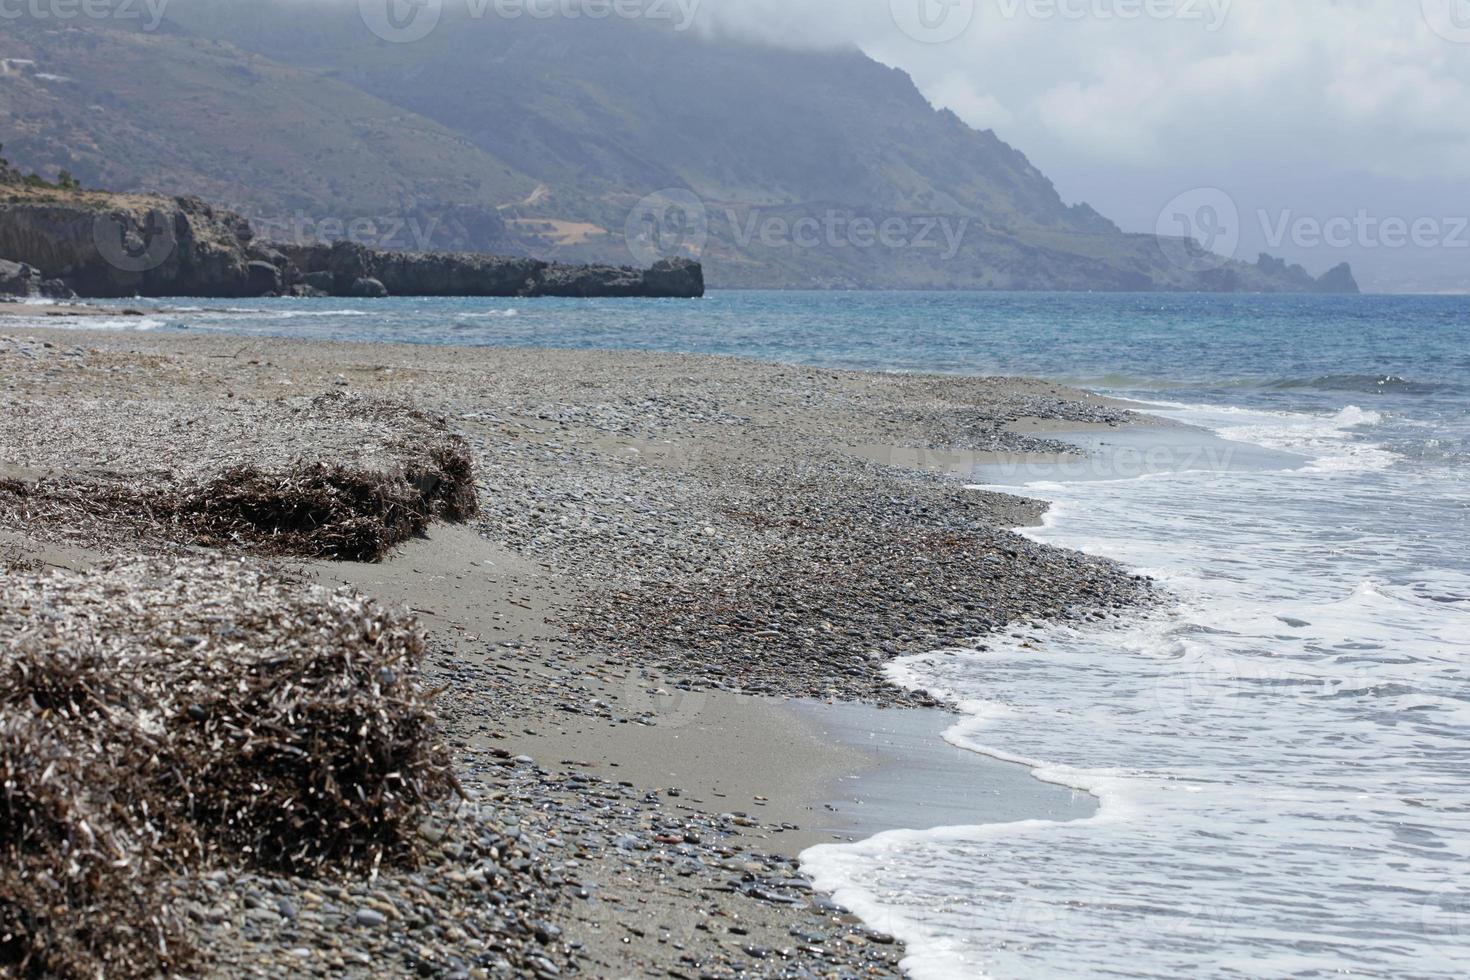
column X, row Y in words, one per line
column 238, row 312
column 1332, row 443
column 295, row 314
column 1369, row 384
column 1215, row 733
column 1298, row 698
column 1360, row 384
column 488, row 314
column 122, row 323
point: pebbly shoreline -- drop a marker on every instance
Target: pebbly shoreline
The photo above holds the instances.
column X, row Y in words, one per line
column 665, row 548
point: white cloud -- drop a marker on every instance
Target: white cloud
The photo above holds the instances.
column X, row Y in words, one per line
column 1365, row 85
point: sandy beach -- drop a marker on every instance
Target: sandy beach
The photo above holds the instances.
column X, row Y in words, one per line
column 658, row 644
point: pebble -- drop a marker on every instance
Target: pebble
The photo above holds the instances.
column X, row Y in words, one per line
column 370, row 918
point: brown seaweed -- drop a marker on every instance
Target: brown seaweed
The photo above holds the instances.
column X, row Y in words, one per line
column 161, row 718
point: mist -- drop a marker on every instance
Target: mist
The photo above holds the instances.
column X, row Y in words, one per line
column 1301, row 112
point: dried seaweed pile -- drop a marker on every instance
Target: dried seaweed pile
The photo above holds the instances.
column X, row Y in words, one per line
column 337, row 476
column 157, row 718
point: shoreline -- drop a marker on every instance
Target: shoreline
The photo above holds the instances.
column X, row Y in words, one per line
column 702, row 476
column 1151, row 803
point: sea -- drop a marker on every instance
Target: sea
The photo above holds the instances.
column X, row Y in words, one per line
column 1280, row 749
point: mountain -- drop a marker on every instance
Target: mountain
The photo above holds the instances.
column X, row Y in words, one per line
column 173, row 113
column 575, row 140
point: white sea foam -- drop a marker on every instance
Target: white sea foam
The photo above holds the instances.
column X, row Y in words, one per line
column 119, row 323
column 1279, row 757
column 306, row 314
column 490, row 314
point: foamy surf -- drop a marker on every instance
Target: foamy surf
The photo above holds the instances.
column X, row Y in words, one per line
column 1276, row 756
column 119, row 324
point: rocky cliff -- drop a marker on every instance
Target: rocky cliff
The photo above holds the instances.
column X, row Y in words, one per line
column 111, row 245
column 346, row 269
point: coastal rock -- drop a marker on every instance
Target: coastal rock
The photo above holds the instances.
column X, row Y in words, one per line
column 337, row 268
column 322, row 282
column 262, row 278
column 454, row 274
column 1339, row 279
column 675, row 278
column 598, row 280
column 368, row 288
column 1277, row 275
column 26, row 281
column 113, row 246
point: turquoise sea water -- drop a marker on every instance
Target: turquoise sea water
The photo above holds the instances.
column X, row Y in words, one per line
column 1282, row 753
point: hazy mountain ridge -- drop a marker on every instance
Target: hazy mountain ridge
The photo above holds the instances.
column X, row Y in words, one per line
column 540, row 138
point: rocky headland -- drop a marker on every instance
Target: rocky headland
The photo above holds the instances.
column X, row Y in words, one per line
column 64, row 243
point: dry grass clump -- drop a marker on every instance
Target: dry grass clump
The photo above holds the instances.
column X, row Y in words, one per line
column 158, row 718
column 78, row 885
column 334, row 477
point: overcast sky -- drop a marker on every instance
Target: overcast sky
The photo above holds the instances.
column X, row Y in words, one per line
column 1306, row 113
